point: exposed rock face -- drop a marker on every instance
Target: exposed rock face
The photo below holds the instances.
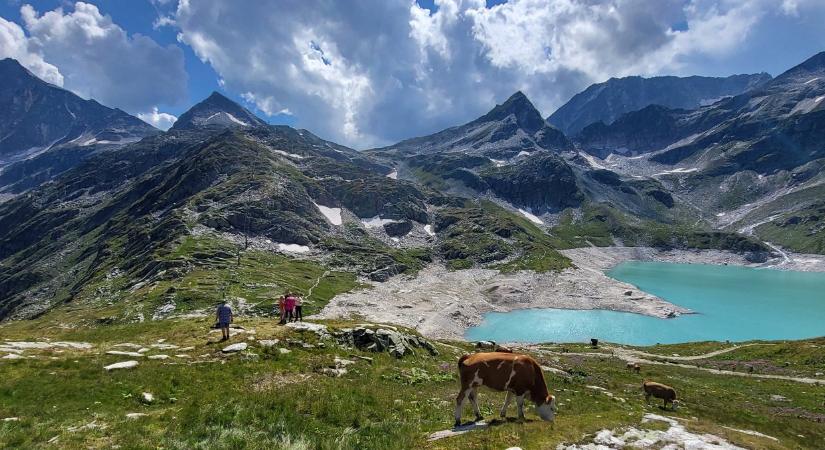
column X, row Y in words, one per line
column 398, row 228
column 382, row 340
column 219, row 112
column 642, row 131
column 53, row 126
column 542, row 182
column 606, row 102
column 509, row 128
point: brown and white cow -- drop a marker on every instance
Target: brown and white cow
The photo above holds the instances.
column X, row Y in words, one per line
column 518, row 375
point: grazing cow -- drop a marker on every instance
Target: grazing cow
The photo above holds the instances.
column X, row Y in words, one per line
column 637, row 368
column 659, row 390
column 629, row 366
column 518, row 375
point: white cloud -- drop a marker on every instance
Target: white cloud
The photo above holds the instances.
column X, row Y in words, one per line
column 372, row 72
column 15, row 44
column 98, row 59
column 163, row 21
column 157, row 119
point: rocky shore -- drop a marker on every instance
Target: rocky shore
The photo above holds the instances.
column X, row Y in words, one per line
column 443, row 304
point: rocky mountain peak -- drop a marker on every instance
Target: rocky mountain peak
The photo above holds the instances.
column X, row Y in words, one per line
column 217, row 111
column 804, row 72
column 10, row 67
column 518, row 105
column 36, row 116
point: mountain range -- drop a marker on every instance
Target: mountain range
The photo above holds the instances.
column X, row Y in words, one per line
column 606, row 102
column 99, row 208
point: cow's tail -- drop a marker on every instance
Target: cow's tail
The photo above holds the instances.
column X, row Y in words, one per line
column 461, row 360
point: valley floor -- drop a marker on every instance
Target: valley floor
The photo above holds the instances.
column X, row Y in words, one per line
column 444, row 304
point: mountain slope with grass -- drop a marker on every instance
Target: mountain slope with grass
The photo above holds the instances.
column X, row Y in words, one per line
column 303, row 389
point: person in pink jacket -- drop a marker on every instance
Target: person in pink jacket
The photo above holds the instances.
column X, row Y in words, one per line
column 290, row 306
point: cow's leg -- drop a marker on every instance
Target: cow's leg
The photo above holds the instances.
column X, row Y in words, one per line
column 647, row 398
column 474, row 401
column 506, row 403
column 520, row 403
column 459, row 404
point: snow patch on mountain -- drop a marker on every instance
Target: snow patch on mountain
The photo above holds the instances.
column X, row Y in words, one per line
column 531, row 217
column 287, row 154
column 679, row 170
column 393, row 175
column 375, row 222
column 592, row 161
column 333, row 215
column 293, row 248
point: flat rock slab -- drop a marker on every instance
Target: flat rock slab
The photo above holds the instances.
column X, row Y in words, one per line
column 269, row 342
column 159, row 357
column 164, row 346
column 457, row 431
column 122, row 365
column 12, row 356
column 316, row 328
column 120, row 353
column 128, row 345
column 22, row 345
column 239, row 347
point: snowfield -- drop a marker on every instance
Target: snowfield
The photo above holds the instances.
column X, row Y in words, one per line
column 531, row 217
column 333, row 215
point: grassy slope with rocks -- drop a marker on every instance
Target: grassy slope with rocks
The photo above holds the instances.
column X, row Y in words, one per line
column 602, row 225
column 262, row 398
column 483, row 232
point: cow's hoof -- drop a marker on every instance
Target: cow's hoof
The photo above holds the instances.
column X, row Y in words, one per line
column 457, row 424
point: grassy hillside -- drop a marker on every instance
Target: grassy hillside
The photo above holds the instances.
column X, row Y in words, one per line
column 262, row 398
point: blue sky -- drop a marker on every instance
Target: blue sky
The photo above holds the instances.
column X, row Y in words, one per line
column 371, row 72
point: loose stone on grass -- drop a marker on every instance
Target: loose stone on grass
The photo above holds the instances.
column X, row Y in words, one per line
column 241, row 346
column 122, row 365
column 120, row 353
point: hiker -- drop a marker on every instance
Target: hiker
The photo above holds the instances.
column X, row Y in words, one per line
column 299, row 312
column 224, row 316
column 282, row 307
column 290, row 307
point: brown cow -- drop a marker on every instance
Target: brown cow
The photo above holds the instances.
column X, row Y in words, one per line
column 517, row 374
column 659, row 390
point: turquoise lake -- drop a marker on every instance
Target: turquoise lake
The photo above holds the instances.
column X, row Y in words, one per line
column 732, row 303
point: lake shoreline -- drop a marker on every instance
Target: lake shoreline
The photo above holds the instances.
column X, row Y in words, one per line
column 442, row 304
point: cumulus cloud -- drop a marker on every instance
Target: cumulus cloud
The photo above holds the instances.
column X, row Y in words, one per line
column 15, row 44
column 372, row 72
column 96, row 58
column 157, row 119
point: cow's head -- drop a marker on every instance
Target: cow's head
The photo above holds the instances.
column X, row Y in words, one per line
column 547, row 410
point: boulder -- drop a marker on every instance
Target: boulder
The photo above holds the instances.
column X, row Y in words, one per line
column 398, row 229
column 120, row 353
column 394, row 342
column 147, row 398
column 239, row 347
column 121, row 365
